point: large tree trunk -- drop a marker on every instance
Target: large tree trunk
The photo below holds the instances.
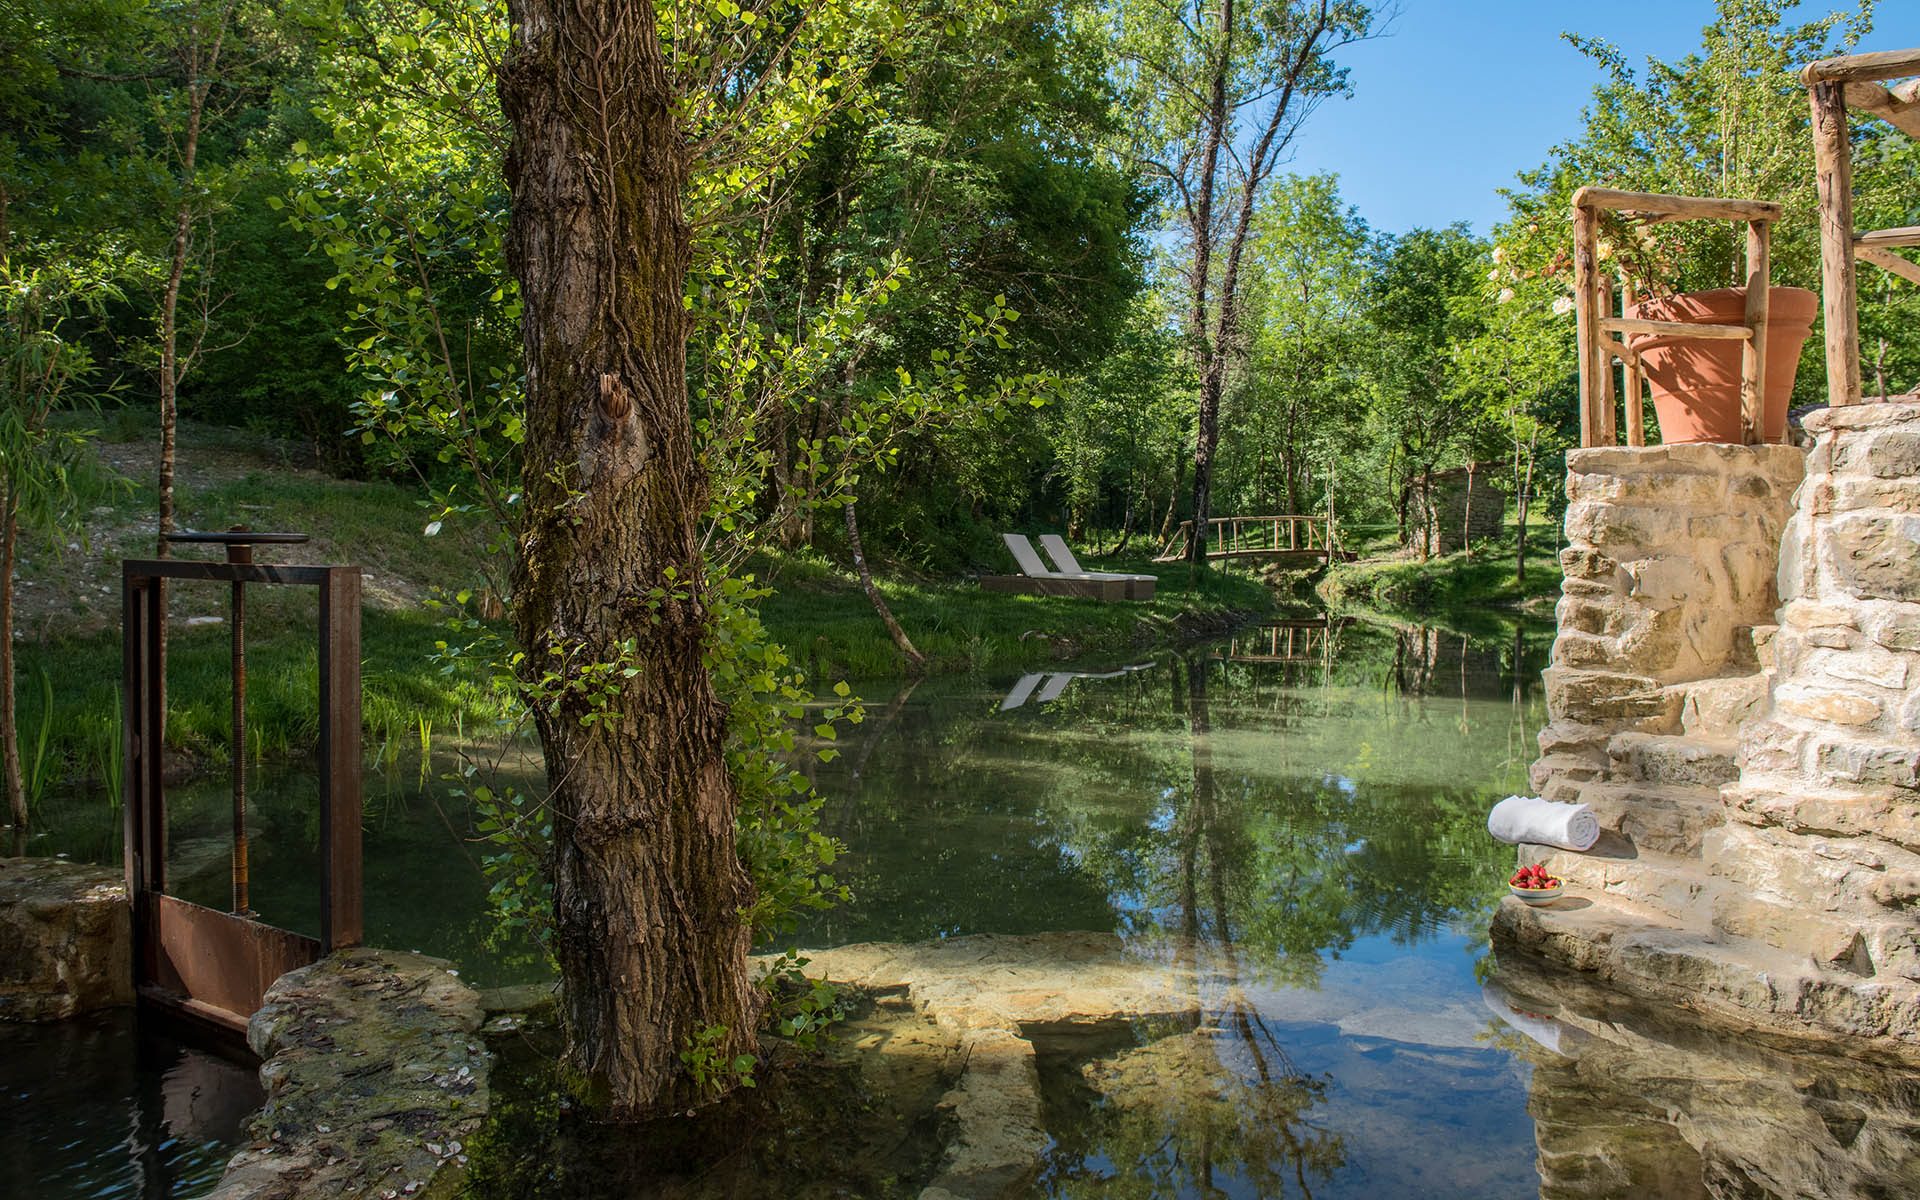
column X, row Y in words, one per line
column 647, row 886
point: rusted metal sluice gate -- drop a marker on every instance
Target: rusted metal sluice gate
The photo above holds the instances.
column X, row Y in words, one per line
column 200, row 963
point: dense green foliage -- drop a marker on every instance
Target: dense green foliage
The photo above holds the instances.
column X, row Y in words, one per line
column 347, row 286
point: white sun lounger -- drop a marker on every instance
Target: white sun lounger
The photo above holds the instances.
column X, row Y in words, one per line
column 1063, row 558
column 1039, row 579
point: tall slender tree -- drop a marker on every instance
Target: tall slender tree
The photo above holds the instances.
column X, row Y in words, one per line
column 1222, row 87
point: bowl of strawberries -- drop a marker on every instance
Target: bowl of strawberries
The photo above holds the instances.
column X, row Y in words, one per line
column 1533, row 885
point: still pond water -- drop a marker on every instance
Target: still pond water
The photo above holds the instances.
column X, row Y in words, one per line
column 1308, row 798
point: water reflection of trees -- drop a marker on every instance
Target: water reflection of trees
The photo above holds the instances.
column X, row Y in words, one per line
column 1293, row 806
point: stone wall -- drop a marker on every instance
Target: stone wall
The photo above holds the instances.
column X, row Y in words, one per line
column 1453, row 507
column 1758, row 785
column 1670, row 563
column 66, row 939
column 1822, row 849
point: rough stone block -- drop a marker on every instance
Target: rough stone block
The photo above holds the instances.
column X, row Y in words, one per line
column 1867, row 764
column 1856, row 495
column 1859, row 416
column 1717, row 708
column 1597, row 697
column 66, row 940
column 1893, row 454
column 1585, row 616
column 1801, row 808
column 1813, row 614
column 1577, row 562
column 1895, row 626
column 1875, row 556
column 1610, row 526
column 1826, row 704
column 1870, row 666
column 1772, row 748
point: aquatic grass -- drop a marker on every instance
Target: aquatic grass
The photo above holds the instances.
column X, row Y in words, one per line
column 35, row 783
column 82, row 712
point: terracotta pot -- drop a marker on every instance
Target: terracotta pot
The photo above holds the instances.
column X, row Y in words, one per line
column 1696, row 383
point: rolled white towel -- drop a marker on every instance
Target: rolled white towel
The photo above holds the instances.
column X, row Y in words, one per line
column 1545, row 822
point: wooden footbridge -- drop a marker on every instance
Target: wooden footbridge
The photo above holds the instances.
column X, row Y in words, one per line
column 1294, row 640
column 1287, row 540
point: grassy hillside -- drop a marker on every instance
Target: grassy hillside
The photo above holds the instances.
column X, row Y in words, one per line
column 68, row 624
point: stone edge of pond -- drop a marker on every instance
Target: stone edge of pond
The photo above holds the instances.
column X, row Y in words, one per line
column 66, row 939
column 376, row 1078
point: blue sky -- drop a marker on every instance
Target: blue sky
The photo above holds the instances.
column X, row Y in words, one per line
column 1467, row 92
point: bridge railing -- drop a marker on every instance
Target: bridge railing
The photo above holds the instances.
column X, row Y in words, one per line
column 1230, row 537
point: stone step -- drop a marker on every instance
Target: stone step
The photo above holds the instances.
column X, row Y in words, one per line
column 1716, row 708
column 1585, row 924
column 1663, row 817
column 1554, row 772
column 1673, row 884
column 1709, row 970
column 1670, row 759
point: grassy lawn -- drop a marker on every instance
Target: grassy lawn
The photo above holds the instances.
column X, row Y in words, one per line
column 1387, row 580
column 69, row 639
column 819, row 612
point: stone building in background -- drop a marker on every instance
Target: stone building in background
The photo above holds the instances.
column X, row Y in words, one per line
column 1451, row 509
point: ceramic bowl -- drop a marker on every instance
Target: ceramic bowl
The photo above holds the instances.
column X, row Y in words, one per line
column 1538, row 895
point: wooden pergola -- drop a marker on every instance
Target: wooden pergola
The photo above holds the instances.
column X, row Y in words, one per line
column 1859, row 82
column 1602, row 334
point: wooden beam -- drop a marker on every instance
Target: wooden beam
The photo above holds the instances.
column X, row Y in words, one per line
column 1621, row 351
column 1686, row 208
column 1887, row 260
column 1586, row 321
column 1718, row 333
column 1753, row 356
column 1609, row 414
column 1630, row 372
column 1873, row 99
column 1862, row 68
column 1903, row 235
column 1833, row 178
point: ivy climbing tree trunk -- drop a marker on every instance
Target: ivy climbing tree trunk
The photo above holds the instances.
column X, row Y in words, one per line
column 648, row 889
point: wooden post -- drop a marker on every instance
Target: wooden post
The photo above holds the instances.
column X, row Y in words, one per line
column 1608, row 415
column 1630, row 372
column 1587, row 324
column 1833, row 175
column 1753, row 356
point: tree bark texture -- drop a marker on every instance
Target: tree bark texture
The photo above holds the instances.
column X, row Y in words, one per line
column 648, row 889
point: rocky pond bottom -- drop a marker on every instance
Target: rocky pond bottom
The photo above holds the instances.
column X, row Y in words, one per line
column 1071, row 1065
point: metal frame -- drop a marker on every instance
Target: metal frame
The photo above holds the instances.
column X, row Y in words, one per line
column 202, row 963
column 1593, row 302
